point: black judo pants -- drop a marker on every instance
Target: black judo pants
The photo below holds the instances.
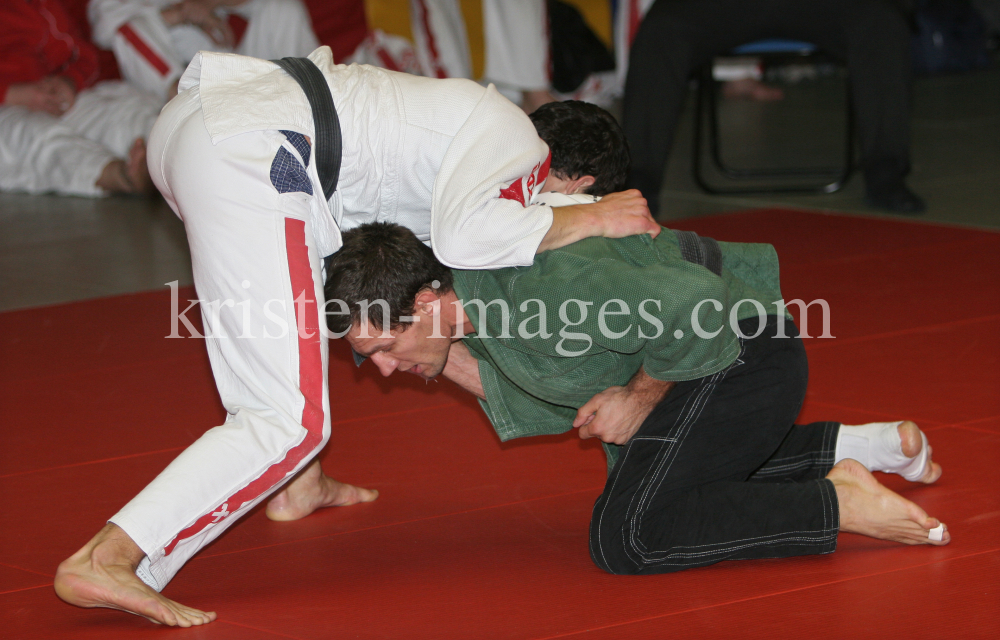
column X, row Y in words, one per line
column 678, row 36
column 719, row 471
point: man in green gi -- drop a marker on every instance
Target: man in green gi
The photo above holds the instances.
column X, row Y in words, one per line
column 678, row 354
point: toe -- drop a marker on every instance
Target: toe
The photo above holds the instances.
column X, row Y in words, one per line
column 933, row 473
column 910, row 440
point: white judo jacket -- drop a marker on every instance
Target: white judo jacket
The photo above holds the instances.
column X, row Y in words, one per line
column 455, row 162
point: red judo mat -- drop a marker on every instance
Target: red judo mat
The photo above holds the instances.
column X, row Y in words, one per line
column 472, row 538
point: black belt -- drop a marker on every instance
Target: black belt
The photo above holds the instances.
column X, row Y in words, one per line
column 703, row 251
column 328, row 142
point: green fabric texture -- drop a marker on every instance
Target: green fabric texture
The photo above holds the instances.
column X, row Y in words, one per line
column 538, row 370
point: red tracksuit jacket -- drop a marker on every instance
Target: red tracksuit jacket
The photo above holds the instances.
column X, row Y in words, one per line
column 39, row 39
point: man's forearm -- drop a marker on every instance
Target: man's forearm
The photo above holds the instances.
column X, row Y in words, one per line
column 570, row 224
column 617, row 215
column 648, row 389
column 463, row 369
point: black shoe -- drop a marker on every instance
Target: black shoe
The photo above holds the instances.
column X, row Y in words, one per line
column 896, row 199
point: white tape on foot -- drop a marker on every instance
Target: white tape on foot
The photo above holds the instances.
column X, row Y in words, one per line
column 937, row 533
column 878, row 447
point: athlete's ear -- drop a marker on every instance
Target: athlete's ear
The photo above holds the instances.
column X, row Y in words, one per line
column 427, row 301
column 581, row 184
column 569, row 186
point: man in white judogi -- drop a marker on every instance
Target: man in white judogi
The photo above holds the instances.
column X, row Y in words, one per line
column 233, row 155
column 516, row 40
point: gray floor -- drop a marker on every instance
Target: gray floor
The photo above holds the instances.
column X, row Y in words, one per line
column 56, row 249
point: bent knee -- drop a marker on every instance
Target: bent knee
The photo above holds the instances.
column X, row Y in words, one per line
column 608, row 550
column 616, row 565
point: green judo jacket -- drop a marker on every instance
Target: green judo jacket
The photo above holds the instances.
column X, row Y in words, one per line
column 587, row 316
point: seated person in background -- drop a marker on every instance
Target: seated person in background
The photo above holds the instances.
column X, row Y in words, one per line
column 153, row 40
column 675, row 365
column 59, row 131
column 871, row 36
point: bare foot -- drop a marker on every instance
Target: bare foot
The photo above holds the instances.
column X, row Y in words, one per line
column 912, row 443
column 868, row 508
column 312, row 489
column 128, row 176
column 114, row 178
column 102, row 574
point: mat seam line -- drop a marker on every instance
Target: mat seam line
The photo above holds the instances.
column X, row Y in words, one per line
column 974, row 430
column 843, row 407
column 395, row 524
column 755, row 206
column 150, row 453
column 246, row 626
column 90, row 462
column 763, row 596
column 143, row 364
column 935, row 425
column 41, row 586
column 872, row 256
column 975, row 420
column 895, row 334
column 12, row 566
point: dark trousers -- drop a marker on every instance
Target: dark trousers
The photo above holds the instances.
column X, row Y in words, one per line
column 719, row 471
column 678, row 36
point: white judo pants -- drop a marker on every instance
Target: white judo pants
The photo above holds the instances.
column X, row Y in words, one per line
column 516, row 35
column 257, row 271
column 42, row 153
column 152, row 55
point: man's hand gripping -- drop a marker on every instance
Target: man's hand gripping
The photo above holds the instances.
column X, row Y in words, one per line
column 615, row 414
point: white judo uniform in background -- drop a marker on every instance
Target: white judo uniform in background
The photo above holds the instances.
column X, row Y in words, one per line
column 152, row 55
column 452, row 160
column 42, row 153
column 628, row 17
column 515, row 34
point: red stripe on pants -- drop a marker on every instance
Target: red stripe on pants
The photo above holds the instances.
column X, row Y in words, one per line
column 144, row 50
column 310, row 383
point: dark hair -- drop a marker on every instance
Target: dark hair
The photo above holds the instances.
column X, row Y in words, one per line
column 584, row 140
column 380, row 261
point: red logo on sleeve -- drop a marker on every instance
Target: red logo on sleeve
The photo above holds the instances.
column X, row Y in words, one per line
column 522, row 189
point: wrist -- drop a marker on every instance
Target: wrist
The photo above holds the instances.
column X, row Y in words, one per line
column 597, row 224
column 587, row 223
